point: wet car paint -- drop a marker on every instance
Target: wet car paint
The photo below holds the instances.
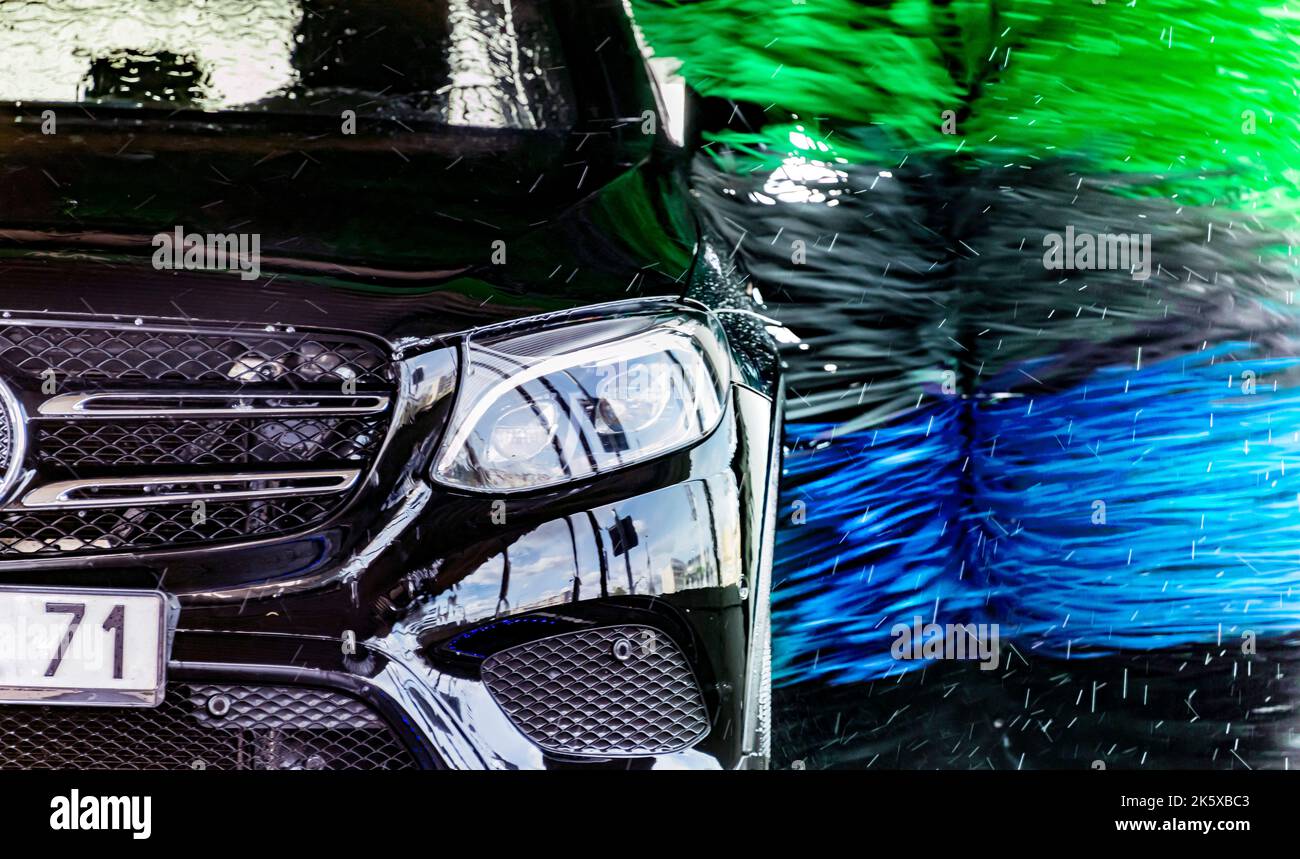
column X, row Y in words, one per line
column 606, row 216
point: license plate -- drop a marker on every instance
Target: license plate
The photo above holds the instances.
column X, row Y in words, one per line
column 83, row 646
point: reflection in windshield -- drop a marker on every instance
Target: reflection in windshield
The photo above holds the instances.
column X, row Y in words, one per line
column 484, row 63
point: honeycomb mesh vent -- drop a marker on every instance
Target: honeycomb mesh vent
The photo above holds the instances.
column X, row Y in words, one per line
column 53, row 532
column 205, row 726
column 613, row 691
column 91, row 354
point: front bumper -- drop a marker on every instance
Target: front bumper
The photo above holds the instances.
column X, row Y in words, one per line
column 681, row 546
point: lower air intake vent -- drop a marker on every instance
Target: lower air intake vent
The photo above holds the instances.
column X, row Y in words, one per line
column 617, row 691
column 206, row 726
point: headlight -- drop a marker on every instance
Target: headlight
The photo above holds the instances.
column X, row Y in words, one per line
column 565, row 403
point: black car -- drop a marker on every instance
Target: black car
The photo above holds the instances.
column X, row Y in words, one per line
column 375, row 396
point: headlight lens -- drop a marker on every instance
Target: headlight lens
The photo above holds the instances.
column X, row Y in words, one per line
column 557, row 405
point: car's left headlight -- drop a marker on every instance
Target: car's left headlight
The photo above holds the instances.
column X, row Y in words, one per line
column 565, row 403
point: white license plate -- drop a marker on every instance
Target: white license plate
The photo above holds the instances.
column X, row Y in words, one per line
column 83, row 646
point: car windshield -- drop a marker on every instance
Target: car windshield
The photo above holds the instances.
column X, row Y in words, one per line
column 471, row 63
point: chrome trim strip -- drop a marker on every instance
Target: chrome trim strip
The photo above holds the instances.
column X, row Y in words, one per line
column 11, row 411
column 56, row 495
column 98, row 404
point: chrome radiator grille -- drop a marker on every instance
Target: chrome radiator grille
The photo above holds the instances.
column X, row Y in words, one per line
column 152, row 436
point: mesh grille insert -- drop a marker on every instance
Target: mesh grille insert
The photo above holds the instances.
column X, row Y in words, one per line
column 55, row 532
column 96, row 354
column 613, row 691
column 80, row 444
column 206, row 726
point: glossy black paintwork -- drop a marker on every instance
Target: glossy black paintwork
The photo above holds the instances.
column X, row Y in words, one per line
column 399, row 611
column 586, row 255
column 454, row 532
column 402, row 622
column 398, row 247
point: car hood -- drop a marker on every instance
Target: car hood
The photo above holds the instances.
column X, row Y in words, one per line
column 406, row 235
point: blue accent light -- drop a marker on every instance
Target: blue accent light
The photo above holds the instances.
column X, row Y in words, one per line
column 496, row 624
